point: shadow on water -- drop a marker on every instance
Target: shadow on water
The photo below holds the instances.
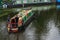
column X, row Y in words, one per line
column 42, row 21
column 45, row 16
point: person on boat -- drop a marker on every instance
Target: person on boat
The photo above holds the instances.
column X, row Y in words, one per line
column 8, row 18
column 16, row 20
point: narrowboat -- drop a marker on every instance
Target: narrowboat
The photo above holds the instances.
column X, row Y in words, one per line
column 23, row 16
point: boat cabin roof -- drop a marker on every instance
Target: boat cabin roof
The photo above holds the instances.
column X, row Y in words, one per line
column 22, row 13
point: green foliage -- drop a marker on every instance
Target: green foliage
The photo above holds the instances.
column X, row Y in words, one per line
column 0, row 1
column 9, row 0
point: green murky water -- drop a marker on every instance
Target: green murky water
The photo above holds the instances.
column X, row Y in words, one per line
column 45, row 27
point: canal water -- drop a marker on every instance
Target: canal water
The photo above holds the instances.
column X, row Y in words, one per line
column 45, row 27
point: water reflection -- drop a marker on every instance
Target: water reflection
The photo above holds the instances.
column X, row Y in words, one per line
column 47, row 26
column 53, row 33
column 3, row 31
column 30, row 33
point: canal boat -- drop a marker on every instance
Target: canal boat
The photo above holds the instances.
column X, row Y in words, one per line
column 23, row 17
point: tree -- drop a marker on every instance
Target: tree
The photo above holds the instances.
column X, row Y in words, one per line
column 0, row 2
